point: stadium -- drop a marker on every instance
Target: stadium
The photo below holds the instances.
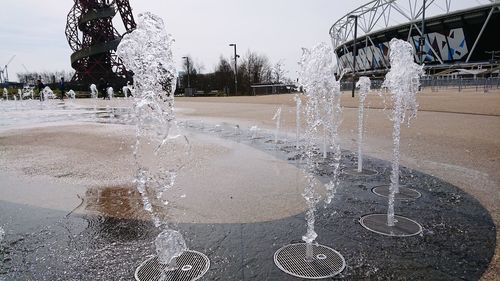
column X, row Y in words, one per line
column 458, row 41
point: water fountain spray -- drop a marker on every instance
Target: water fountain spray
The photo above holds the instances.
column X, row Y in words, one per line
column 71, row 94
column 128, row 89
column 159, row 151
column 331, row 118
column 94, row 94
column 402, row 82
column 321, row 113
column 254, row 130
column 147, row 52
column 298, row 105
column 93, row 91
column 110, row 93
column 47, row 93
column 363, row 84
column 27, row 92
column 2, row 234
column 277, row 118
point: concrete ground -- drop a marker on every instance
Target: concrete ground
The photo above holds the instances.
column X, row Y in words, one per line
column 455, row 137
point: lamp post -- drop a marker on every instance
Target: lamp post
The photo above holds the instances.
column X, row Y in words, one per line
column 422, row 37
column 354, row 52
column 235, row 69
column 187, row 59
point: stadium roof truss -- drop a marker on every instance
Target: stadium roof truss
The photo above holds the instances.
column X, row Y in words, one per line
column 378, row 15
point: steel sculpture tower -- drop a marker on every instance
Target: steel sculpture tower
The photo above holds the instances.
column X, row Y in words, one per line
column 93, row 39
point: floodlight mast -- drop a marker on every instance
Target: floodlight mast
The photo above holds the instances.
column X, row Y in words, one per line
column 422, row 37
column 354, row 52
column 236, row 56
column 187, row 60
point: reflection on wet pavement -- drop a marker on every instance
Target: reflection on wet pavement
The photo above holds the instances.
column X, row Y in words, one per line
column 117, row 202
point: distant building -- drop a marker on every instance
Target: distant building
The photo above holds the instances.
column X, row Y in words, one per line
column 269, row 89
column 465, row 40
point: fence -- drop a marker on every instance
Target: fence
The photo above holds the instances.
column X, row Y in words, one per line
column 441, row 84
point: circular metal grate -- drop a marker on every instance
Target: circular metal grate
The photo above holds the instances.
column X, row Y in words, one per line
column 363, row 173
column 404, row 192
column 292, row 260
column 403, row 227
column 192, row 265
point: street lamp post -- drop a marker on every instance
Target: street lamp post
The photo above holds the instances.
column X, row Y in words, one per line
column 235, row 69
column 187, row 60
column 422, row 37
column 354, row 52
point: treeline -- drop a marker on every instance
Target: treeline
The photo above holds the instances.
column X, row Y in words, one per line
column 253, row 68
column 47, row 77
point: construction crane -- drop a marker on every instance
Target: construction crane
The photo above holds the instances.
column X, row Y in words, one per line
column 4, row 74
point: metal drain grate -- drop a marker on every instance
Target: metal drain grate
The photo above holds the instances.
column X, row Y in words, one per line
column 363, row 173
column 404, row 192
column 192, row 265
column 403, row 227
column 292, row 260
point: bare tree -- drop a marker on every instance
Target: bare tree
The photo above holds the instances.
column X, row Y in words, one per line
column 47, row 77
column 253, row 69
column 278, row 72
column 224, row 75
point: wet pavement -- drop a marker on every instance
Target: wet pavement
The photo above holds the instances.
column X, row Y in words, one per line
column 457, row 242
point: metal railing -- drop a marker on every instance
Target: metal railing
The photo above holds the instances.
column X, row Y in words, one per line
column 480, row 84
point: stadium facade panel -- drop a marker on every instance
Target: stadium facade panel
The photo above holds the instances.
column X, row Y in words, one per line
column 460, row 39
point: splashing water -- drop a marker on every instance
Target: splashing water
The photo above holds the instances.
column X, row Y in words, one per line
column 402, row 81
column 322, row 114
column 277, row 118
column 170, row 245
column 254, row 130
column 147, row 51
column 237, row 130
column 298, row 105
column 110, row 93
column 2, row 234
column 128, row 90
column 5, row 93
column 28, row 92
column 363, row 84
column 94, row 94
column 71, row 94
column 47, row 93
column 93, row 91
column 20, row 94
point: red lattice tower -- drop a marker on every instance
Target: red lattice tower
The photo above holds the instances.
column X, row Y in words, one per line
column 93, row 39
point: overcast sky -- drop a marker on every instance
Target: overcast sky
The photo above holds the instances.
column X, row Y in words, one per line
column 34, row 30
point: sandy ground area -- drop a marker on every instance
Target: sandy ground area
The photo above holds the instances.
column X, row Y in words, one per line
column 456, row 137
column 236, row 183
